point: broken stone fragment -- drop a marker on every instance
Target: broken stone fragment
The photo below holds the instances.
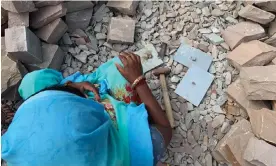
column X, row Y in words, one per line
column 74, row 6
column 42, row 3
column 53, row 58
column 259, row 82
column 52, row 32
column 259, row 152
column 263, row 123
column 271, row 41
column 253, row 53
column 266, row 5
column 214, row 38
column 22, row 44
column 237, row 93
column 272, row 28
column 18, row 19
column 236, row 145
column 125, row 7
column 18, row 6
column 255, row 14
column 46, row 15
column 79, row 19
column 234, row 35
column 121, row 30
column 221, row 153
column 9, row 73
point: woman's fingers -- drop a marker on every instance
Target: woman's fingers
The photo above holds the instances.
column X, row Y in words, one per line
column 120, row 68
column 93, row 89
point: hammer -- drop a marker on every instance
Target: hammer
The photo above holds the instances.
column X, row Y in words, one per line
column 161, row 72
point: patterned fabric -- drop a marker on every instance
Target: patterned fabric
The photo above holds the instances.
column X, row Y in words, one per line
column 119, row 101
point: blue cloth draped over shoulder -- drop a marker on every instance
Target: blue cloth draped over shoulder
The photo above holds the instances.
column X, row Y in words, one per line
column 58, row 128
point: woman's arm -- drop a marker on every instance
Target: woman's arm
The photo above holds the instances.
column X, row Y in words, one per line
column 131, row 71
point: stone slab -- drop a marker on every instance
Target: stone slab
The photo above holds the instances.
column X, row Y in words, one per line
column 4, row 16
column 125, row 7
column 266, row 5
column 52, row 32
column 237, row 93
column 253, row 53
column 237, row 145
column 272, row 28
column 260, row 153
column 253, row 13
column 42, row 3
column 222, row 154
column 234, row 35
column 22, row 44
column 189, row 56
column 121, row 30
column 46, row 15
column 263, row 122
column 192, row 87
column 9, row 73
column 214, row 38
column 259, row 82
column 271, row 41
column 18, row 6
column 149, row 63
column 53, row 58
column 18, row 19
column 79, row 19
column 74, row 6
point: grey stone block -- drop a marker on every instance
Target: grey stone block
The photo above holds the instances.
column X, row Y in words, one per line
column 18, row 19
column 80, row 19
column 46, row 15
column 4, row 16
column 121, row 30
column 43, row 3
column 18, row 6
column 125, row 7
column 74, row 6
column 22, row 44
column 53, row 58
column 52, row 32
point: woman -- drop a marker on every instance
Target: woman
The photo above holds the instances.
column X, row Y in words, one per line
column 60, row 123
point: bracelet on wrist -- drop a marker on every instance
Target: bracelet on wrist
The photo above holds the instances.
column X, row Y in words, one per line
column 138, row 81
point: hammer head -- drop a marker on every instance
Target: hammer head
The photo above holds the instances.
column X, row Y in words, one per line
column 161, row 70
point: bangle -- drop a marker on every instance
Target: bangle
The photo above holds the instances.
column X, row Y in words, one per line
column 137, row 81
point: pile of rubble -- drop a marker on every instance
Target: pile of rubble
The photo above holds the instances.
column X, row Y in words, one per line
column 254, row 92
column 81, row 35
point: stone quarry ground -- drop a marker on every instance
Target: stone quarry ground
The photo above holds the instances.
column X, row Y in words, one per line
column 198, row 129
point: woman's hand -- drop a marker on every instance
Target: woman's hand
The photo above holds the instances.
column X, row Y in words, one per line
column 132, row 66
column 86, row 86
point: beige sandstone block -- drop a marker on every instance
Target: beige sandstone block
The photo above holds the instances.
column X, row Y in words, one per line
column 234, row 35
column 222, row 154
column 237, row 93
column 253, row 53
column 125, row 7
column 260, row 153
column 259, row 82
column 263, row 124
column 255, row 14
column 18, row 19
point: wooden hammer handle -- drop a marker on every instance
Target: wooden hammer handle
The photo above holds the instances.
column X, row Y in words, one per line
column 166, row 98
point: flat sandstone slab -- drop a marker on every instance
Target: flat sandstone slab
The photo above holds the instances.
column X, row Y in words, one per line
column 221, row 152
column 234, row 35
column 52, row 32
column 263, row 122
column 22, row 44
column 255, row 14
column 253, row 53
column 18, row 6
column 237, row 93
column 125, row 7
column 259, row 82
column 260, row 153
column 46, row 15
column 121, row 30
